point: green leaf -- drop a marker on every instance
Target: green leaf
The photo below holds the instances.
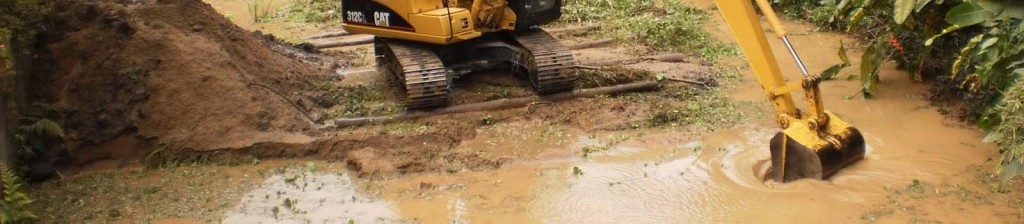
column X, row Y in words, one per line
column 944, row 32
column 985, row 44
column 839, row 8
column 992, row 137
column 871, row 64
column 14, row 199
column 902, row 9
column 44, row 128
column 835, row 69
column 842, row 5
column 964, row 55
column 971, row 13
column 988, row 42
column 858, row 14
column 832, row 71
column 921, row 4
column 967, row 14
column 1002, row 9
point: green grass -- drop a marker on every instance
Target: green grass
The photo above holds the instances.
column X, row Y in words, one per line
column 590, row 78
column 311, row 11
column 666, row 26
column 358, row 101
column 404, row 128
column 707, row 109
column 492, row 92
column 259, row 11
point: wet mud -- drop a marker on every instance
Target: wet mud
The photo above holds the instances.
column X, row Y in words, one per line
column 591, row 161
column 657, row 176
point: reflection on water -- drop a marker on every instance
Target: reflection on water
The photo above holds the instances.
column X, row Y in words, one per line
column 721, row 180
column 668, row 177
column 308, row 197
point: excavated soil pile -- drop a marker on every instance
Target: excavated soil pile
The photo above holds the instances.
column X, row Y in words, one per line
column 129, row 75
column 171, row 81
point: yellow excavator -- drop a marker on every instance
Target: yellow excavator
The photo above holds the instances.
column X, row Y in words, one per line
column 813, row 144
column 423, row 45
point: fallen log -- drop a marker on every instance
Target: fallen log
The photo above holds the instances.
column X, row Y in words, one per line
column 673, row 58
column 501, row 104
column 670, row 58
column 574, row 29
column 327, row 35
column 690, row 81
column 357, row 72
column 589, row 44
column 347, row 42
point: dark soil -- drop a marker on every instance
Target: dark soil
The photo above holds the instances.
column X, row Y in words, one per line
column 172, row 73
column 167, row 82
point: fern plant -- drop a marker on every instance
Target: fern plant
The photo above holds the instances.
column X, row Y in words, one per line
column 35, row 134
column 15, row 202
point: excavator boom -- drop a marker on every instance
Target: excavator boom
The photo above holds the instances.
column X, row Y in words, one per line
column 812, row 144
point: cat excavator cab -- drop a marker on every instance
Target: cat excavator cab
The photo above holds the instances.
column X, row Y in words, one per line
column 423, row 45
column 812, row 144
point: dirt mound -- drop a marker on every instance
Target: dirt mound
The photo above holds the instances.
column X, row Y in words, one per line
column 172, row 73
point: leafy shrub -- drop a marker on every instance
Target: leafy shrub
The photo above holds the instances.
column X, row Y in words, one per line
column 1008, row 132
column 36, row 133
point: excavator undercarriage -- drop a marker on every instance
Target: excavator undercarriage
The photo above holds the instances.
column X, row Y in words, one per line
column 426, row 73
column 424, row 45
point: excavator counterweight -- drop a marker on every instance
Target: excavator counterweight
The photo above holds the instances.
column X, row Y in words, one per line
column 813, row 144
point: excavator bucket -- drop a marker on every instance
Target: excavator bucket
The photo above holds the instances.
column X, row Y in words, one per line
column 799, row 153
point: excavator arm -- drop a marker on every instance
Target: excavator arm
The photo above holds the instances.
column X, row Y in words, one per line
column 812, row 144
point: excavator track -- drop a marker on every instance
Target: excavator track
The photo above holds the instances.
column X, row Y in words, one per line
column 417, row 70
column 555, row 67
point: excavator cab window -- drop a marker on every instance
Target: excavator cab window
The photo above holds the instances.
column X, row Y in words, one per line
column 537, row 6
column 531, row 13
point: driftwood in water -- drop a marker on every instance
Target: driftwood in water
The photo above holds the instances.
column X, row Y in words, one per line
column 346, row 42
column 574, row 29
column 327, row 35
column 589, row 44
column 501, row 104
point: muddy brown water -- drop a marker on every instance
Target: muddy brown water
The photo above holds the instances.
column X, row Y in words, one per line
column 670, row 177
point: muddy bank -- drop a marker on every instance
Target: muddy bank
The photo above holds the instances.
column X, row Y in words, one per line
column 168, row 73
column 368, row 152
